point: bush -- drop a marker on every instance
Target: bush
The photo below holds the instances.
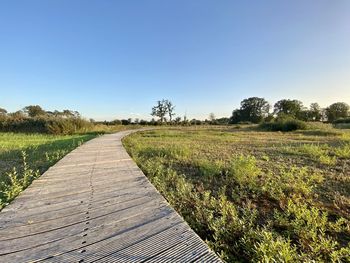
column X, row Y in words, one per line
column 51, row 125
column 342, row 120
column 67, row 126
column 342, row 125
column 27, row 125
column 284, row 125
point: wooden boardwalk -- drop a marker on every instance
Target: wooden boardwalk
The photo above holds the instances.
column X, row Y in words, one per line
column 96, row 205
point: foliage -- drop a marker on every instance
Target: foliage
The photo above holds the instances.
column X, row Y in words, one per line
column 337, row 110
column 34, row 111
column 315, row 112
column 256, row 110
column 163, row 108
column 253, row 109
column 285, row 125
column 288, row 107
column 342, row 120
column 45, row 124
column 170, row 109
column 34, row 119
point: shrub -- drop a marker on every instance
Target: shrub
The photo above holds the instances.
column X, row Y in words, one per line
column 244, row 171
column 43, row 124
column 67, row 126
column 342, row 120
column 274, row 248
column 342, row 125
column 284, row 125
column 311, row 227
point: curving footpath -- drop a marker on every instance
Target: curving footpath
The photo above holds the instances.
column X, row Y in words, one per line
column 96, row 205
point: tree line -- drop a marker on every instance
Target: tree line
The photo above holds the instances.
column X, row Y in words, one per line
column 34, row 118
column 257, row 110
column 33, row 111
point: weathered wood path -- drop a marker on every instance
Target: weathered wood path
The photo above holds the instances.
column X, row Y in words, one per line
column 96, row 205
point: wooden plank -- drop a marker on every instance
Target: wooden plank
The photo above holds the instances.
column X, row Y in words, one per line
column 96, row 205
column 70, row 228
column 66, row 248
column 59, row 208
column 32, row 227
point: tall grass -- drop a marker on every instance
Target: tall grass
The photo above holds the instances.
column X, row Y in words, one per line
column 23, row 157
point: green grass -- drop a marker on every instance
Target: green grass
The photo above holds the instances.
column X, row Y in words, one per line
column 23, row 157
column 255, row 196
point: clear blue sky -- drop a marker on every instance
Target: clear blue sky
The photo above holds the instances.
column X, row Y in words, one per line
column 112, row 59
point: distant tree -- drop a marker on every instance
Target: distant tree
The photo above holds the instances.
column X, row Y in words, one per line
column 178, row 120
column 323, row 114
column 185, row 118
column 153, row 122
column 236, row 116
column 304, row 115
column 170, row 108
column 337, row 110
column 34, row 111
column 50, row 113
column 212, row 117
column 67, row 113
column 253, row 109
column 125, row 122
column 17, row 115
column 195, row 122
column 288, row 107
column 3, row 111
column 163, row 108
column 222, row 121
column 143, row 122
column 315, row 113
column 116, row 122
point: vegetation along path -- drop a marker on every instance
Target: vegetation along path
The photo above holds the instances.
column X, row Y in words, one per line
column 95, row 204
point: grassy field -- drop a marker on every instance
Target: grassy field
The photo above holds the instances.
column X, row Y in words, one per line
column 254, row 195
column 23, row 157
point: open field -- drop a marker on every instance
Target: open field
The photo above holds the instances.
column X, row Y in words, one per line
column 23, row 157
column 255, row 195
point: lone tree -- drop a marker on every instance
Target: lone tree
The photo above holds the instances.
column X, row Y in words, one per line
column 212, row 117
column 253, row 109
column 163, row 108
column 337, row 110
